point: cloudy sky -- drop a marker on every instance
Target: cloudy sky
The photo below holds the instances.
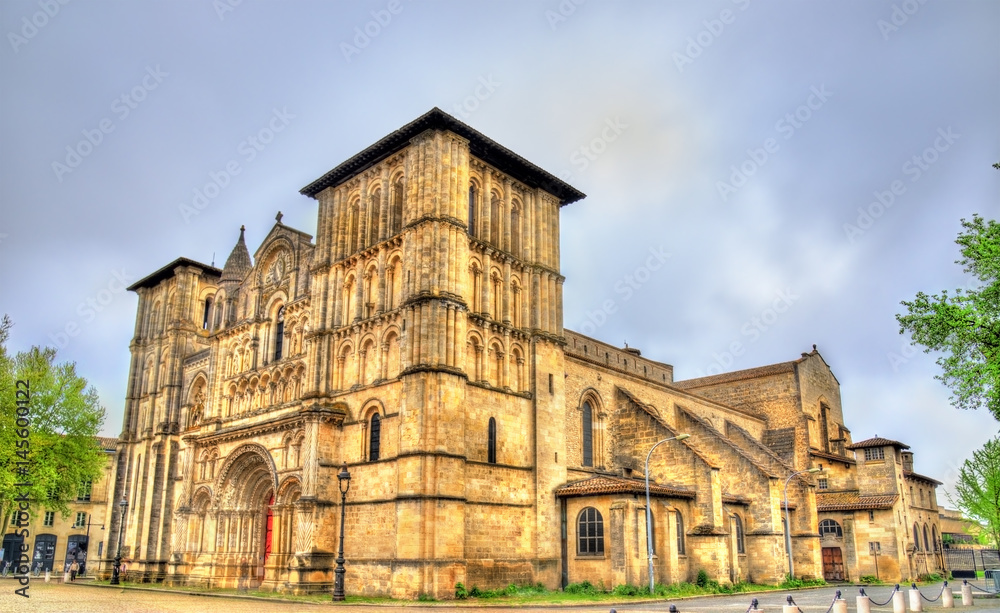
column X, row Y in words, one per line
column 760, row 176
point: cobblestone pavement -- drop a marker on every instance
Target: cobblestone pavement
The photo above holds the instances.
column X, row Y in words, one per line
column 97, row 599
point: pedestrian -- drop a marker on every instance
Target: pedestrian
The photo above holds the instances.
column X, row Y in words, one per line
column 73, row 569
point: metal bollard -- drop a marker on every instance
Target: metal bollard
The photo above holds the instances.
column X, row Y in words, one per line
column 864, row 603
column 915, row 604
column 839, row 604
column 966, row 594
column 790, row 608
column 898, row 601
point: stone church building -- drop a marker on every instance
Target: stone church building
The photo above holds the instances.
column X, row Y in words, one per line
column 419, row 339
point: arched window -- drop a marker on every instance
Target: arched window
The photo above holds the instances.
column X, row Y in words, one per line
column 588, row 434
column 374, row 202
column 515, row 231
column 495, row 221
column 206, row 320
column 590, row 533
column 680, row 533
column 397, row 208
column 830, row 528
column 491, row 445
column 738, row 526
column 934, row 536
column 473, row 220
column 352, row 237
column 279, row 333
column 374, row 437
column 927, row 544
column 916, row 537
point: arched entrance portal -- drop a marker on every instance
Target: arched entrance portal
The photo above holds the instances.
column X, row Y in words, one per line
column 246, row 486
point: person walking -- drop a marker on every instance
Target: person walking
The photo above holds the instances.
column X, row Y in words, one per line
column 73, row 569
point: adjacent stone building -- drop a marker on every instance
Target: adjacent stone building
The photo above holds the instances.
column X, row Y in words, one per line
column 55, row 540
column 419, row 340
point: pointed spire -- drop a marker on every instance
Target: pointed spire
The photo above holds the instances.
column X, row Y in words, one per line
column 239, row 263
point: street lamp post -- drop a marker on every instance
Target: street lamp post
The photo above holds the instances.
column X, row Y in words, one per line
column 86, row 558
column 788, row 523
column 344, row 481
column 118, row 555
column 649, row 514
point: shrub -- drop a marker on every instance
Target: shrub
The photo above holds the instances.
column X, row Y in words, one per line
column 460, row 592
column 702, row 580
column 870, row 580
column 929, row 578
column 426, row 598
column 585, row 587
column 626, row 590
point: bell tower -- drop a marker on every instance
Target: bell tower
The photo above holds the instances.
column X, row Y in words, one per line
column 436, row 277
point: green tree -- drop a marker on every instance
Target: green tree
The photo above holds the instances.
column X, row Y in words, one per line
column 65, row 415
column 965, row 326
column 977, row 490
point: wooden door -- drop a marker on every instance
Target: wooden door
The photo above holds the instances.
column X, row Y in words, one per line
column 833, row 564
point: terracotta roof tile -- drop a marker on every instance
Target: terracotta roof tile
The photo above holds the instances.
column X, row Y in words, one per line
column 595, row 486
column 877, row 441
column 853, row 501
column 107, row 443
column 913, row 475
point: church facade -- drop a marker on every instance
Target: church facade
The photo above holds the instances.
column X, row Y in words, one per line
column 418, row 339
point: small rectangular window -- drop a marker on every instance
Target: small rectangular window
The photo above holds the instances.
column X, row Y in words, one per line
column 81, row 520
column 824, row 484
column 552, row 385
column 50, row 518
column 871, row 517
column 874, row 453
column 83, row 493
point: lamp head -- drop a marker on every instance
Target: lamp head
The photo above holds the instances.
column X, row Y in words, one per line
column 123, row 504
column 814, row 470
column 681, row 437
column 344, row 479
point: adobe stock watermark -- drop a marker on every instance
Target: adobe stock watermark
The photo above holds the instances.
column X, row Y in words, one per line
column 900, row 14
column 365, row 33
column 914, row 168
column 222, row 7
column 584, row 155
column 751, row 330
column 714, row 28
column 787, row 127
column 248, row 149
column 564, row 10
column 480, row 94
column 626, row 288
column 122, row 107
column 30, row 27
column 89, row 308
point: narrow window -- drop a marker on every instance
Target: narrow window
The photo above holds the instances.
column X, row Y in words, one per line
column 916, row 537
column 81, row 520
column 397, row 207
column 50, row 518
column 588, row 435
column 495, row 221
column 871, row 517
column 934, row 536
column 590, row 533
column 740, row 545
column 373, row 214
column 207, row 317
column 472, row 211
column 375, row 436
column 680, row 533
column 927, row 545
column 279, row 333
column 515, row 232
column 491, row 451
column 551, row 384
